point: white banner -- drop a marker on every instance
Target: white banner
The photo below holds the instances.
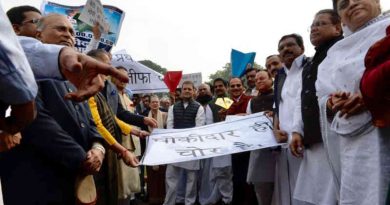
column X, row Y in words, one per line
column 251, row 132
column 196, row 78
column 141, row 78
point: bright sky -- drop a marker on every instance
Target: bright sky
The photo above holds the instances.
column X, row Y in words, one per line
column 198, row 35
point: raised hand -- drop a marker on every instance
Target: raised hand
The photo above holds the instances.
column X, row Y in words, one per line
column 83, row 71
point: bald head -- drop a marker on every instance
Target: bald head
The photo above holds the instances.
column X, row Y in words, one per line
column 56, row 29
column 204, row 89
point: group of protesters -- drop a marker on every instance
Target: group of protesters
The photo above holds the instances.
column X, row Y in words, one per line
column 75, row 136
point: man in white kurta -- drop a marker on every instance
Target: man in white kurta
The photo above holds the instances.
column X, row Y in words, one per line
column 315, row 180
column 188, row 105
column 363, row 161
column 216, row 173
column 287, row 166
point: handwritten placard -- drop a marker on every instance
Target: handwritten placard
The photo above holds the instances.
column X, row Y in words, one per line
column 93, row 13
column 83, row 31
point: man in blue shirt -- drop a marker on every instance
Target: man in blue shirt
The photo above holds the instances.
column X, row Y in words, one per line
column 17, row 83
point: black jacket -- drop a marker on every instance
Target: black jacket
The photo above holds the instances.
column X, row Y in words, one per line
column 309, row 101
column 42, row 169
column 112, row 97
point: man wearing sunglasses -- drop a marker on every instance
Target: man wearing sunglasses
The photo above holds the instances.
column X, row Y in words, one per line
column 243, row 193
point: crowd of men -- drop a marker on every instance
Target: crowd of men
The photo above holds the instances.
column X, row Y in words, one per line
column 74, row 123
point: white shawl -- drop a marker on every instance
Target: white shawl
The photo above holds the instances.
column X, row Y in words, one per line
column 343, row 68
column 161, row 119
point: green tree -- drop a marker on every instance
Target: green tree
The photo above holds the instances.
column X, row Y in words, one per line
column 257, row 66
column 226, row 72
column 154, row 66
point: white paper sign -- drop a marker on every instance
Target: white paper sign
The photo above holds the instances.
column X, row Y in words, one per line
column 251, row 132
column 92, row 13
column 141, row 78
column 196, row 78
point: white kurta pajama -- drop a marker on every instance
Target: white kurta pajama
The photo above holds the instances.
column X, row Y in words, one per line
column 364, row 153
column 190, row 168
column 315, row 179
column 216, row 175
column 287, row 166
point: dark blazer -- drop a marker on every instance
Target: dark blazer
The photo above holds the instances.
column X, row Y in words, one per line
column 112, row 97
column 215, row 109
column 309, row 102
column 42, row 169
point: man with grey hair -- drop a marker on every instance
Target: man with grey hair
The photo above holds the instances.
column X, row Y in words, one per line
column 81, row 70
column 56, row 29
column 60, row 144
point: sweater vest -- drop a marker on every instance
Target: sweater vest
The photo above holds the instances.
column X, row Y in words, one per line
column 185, row 117
column 262, row 102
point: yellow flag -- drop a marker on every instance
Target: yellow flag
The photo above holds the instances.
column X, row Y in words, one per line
column 224, row 102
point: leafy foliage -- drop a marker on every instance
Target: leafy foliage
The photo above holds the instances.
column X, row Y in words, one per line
column 153, row 66
column 226, row 71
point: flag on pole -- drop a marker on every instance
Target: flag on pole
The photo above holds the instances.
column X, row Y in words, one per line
column 241, row 61
column 172, row 79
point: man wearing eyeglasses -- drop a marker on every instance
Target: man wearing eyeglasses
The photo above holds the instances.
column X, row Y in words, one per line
column 60, row 143
column 243, row 193
column 307, row 140
column 24, row 20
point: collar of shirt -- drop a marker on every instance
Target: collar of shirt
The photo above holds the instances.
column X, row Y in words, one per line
column 296, row 65
column 237, row 99
column 185, row 104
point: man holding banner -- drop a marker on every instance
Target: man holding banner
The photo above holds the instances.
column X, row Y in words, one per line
column 261, row 169
column 287, row 83
column 59, row 144
column 216, row 183
column 184, row 114
column 242, row 192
